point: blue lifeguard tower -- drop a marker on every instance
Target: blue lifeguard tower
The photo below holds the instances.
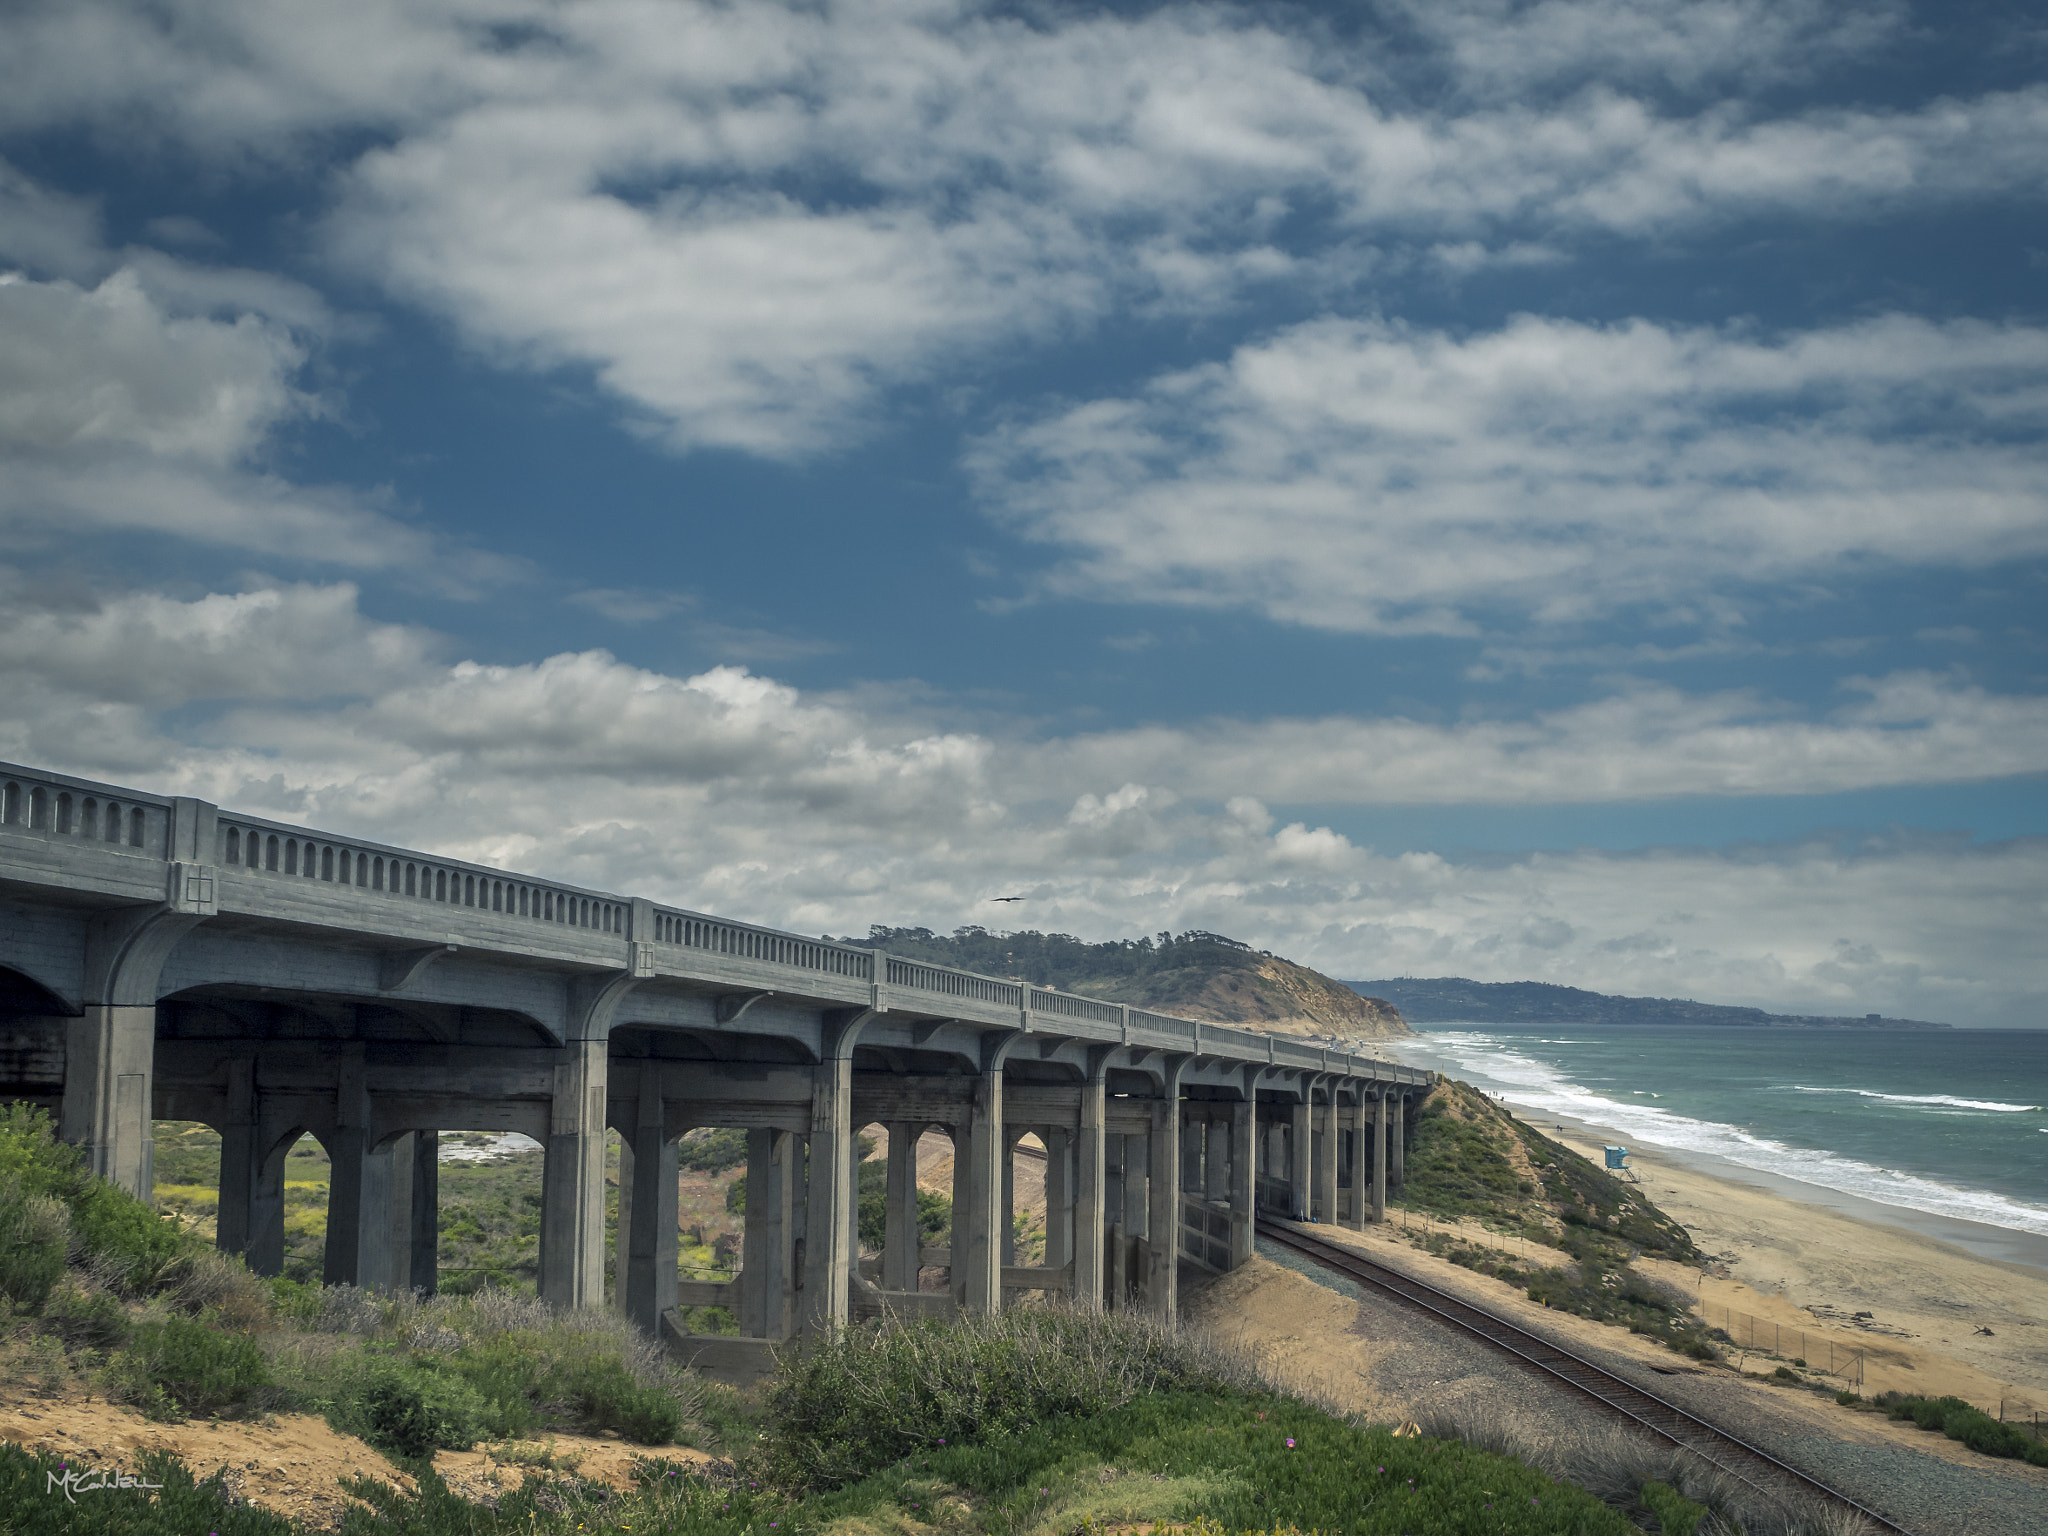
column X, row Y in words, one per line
column 1617, row 1163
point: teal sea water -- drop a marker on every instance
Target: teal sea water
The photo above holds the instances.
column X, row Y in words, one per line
column 1947, row 1123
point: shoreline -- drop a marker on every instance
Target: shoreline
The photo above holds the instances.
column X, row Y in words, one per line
column 1981, row 1240
column 1946, row 1306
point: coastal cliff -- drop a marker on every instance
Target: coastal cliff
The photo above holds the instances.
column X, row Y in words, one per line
column 1195, row 975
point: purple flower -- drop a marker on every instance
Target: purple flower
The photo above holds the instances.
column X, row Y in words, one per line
column 1290, row 1445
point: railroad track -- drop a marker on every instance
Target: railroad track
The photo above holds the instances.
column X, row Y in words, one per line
column 1758, row 1469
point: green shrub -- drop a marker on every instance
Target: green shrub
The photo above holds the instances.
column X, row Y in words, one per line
column 1847, row 1398
column 1967, row 1423
column 1676, row 1514
column 870, row 1395
column 85, row 1319
column 413, row 1412
column 124, row 1240
column 175, row 1366
column 35, row 1236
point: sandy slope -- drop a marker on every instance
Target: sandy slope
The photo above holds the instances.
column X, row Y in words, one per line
column 292, row 1464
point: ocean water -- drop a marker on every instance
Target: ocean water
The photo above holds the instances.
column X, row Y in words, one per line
column 1950, row 1124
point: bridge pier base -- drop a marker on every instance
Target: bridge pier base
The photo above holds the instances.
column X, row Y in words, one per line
column 107, row 1109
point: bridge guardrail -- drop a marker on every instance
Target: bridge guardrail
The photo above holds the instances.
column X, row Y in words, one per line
column 37, row 802
column 34, row 801
column 278, row 848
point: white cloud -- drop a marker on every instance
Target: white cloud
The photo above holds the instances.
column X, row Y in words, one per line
column 104, row 367
column 733, row 793
column 749, row 223
column 146, row 403
column 1358, row 475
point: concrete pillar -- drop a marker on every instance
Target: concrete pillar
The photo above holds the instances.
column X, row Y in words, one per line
column 1360, row 1171
column 1327, row 1173
column 1243, row 1129
column 766, row 1274
column 110, row 1055
column 1397, row 1149
column 1162, row 1198
column 1091, row 1158
column 1300, row 1160
column 265, row 1253
column 1136, row 1159
column 1379, row 1157
column 647, row 1214
column 1216, row 1149
column 387, row 1217
column 830, row 1249
column 980, row 1276
column 961, row 1233
column 1059, row 1196
column 572, row 1189
column 425, row 1266
column 352, row 1184
column 622, row 1227
column 900, row 1243
column 239, row 1159
column 1009, row 1201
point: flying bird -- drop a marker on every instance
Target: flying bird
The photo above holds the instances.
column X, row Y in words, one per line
column 1006, row 898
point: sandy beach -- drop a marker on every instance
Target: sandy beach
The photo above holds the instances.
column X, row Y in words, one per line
column 1810, row 1265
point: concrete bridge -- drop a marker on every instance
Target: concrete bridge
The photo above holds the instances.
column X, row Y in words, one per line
column 161, row 958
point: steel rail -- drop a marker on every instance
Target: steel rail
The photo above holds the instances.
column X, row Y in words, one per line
column 1663, row 1419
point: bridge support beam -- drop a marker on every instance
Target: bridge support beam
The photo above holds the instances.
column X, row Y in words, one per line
column 1059, row 1197
column 767, row 1275
column 424, row 1261
column 1326, row 1172
column 1091, row 1159
column 109, row 1061
column 1379, row 1156
column 1360, row 1170
column 1397, row 1150
column 901, row 1238
column 978, row 1277
column 1300, row 1159
column 1244, row 1120
column 1162, row 1209
column 647, row 1213
column 572, row 1189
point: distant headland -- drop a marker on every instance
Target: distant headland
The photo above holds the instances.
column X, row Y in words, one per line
column 1453, row 999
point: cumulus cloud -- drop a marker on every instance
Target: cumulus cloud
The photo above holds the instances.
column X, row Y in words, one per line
column 732, row 792
column 145, row 403
column 749, row 224
column 1370, row 476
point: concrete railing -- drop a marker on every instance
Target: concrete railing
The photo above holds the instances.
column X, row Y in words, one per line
column 382, row 873
column 50, row 803
column 693, row 930
column 374, row 877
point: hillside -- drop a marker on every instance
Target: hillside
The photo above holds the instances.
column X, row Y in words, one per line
column 1196, row 975
column 1454, row 1000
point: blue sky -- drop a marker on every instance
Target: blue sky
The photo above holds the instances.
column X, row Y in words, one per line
column 1514, row 490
